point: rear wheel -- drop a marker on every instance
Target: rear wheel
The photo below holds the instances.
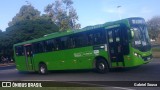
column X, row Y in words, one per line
column 102, row 66
column 43, row 69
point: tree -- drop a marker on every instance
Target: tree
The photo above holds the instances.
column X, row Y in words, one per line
column 26, row 25
column 26, row 30
column 27, row 12
column 63, row 14
column 1, row 38
column 154, row 27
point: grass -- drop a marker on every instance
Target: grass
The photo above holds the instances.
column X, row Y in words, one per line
column 156, row 52
column 156, row 49
column 56, row 88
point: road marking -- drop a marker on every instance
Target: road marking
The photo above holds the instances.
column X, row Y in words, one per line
column 103, row 86
column 123, row 88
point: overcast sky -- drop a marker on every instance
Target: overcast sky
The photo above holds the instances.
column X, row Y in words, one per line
column 90, row 12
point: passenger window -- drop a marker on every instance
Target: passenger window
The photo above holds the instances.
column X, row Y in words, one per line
column 80, row 40
column 95, row 37
column 117, row 35
column 49, row 45
column 110, row 34
column 39, row 47
column 19, row 50
column 64, row 43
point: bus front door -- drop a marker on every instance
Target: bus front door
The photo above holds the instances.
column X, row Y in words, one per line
column 114, row 39
column 29, row 57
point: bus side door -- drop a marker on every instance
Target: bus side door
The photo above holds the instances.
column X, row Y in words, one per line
column 29, row 57
column 114, row 39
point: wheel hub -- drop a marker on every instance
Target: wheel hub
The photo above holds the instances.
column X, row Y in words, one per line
column 101, row 66
column 42, row 70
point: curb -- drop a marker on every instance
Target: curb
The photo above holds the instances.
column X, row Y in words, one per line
column 5, row 65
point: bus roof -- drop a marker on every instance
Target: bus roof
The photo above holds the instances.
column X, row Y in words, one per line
column 58, row 34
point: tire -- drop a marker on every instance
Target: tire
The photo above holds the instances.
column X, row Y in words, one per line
column 101, row 66
column 43, row 69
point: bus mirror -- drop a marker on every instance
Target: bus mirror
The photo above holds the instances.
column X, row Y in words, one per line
column 132, row 33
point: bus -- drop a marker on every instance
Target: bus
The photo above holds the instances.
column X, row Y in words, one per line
column 120, row 44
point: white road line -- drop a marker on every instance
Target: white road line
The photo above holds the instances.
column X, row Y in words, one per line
column 122, row 88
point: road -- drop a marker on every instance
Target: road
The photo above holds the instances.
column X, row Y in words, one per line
column 147, row 72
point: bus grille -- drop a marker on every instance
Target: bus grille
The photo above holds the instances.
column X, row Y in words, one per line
column 147, row 58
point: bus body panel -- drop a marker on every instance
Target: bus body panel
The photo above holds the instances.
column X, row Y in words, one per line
column 81, row 57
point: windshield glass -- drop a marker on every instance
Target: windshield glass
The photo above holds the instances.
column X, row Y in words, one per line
column 141, row 39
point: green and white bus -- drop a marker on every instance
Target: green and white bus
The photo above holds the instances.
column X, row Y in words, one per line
column 124, row 43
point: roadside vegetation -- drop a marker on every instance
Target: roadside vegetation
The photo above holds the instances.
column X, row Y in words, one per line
column 30, row 24
column 156, row 52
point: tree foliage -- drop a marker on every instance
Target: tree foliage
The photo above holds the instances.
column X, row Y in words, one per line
column 25, row 30
column 154, row 27
column 63, row 14
column 29, row 24
column 27, row 12
column 26, row 25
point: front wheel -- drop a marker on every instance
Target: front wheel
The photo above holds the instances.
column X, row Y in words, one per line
column 102, row 66
column 43, row 69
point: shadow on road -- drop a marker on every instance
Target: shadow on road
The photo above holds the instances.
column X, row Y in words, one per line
column 124, row 69
column 79, row 71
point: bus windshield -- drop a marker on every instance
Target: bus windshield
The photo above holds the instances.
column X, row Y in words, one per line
column 141, row 39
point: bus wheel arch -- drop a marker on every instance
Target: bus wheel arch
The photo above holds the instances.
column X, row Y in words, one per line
column 42, row 68
column 101, row 64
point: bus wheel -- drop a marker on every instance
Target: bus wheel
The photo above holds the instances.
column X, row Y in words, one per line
column 43, row 69
column 102, row 66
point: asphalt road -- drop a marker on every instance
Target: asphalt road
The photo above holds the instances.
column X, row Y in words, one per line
column 147, row 72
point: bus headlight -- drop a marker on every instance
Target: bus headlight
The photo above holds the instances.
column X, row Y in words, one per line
column 135, row 54
column 138, row 55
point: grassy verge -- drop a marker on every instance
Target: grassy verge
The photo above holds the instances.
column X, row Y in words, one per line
column 156, row 49
column 56, row 88
column 156, row 52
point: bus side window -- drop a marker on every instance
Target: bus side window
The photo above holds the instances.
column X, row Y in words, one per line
column 117, row 35
column 95, row 37
column 57, row 44
column 63, row 43
column 71, row 42
column 19, row 50
column 41, row 47
column 80, row 40
column 49, row 45
column 98, row 38
column 90, row 38
column 38, row 47
column 110, row 36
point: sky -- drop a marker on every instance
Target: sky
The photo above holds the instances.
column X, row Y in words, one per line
column 90, row 12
